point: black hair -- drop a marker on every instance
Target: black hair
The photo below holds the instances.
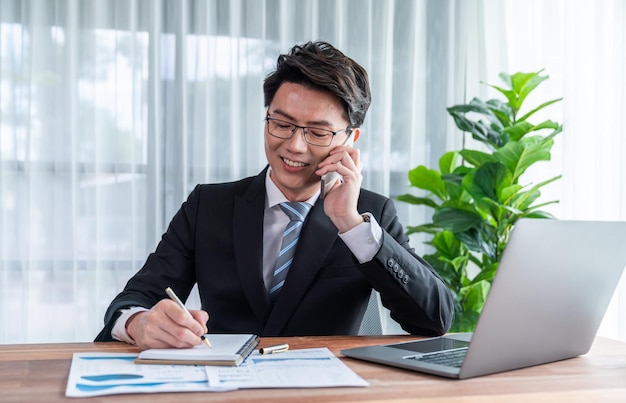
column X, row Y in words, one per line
column 319, row 65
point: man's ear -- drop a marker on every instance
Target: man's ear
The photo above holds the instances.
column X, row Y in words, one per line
column 356, row 133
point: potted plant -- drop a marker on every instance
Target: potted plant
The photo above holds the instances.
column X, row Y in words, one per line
column 478, row 195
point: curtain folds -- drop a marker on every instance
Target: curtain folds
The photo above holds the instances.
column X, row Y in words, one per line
column 112, row 111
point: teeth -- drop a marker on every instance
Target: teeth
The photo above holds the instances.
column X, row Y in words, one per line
column 293, row 163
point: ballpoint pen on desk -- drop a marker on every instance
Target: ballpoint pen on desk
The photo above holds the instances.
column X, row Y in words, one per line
column 170, row 293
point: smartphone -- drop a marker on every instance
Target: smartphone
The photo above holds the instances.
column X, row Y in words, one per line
column 329, row 179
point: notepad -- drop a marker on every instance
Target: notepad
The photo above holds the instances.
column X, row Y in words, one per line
column 227, row 350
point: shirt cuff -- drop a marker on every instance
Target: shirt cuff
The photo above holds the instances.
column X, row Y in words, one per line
column 364, row 240
column 119, row 329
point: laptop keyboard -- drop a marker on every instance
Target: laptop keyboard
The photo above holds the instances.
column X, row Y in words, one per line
column 449, row 358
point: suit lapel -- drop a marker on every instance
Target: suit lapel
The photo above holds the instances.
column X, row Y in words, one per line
column 248, row 245
column 316, row 239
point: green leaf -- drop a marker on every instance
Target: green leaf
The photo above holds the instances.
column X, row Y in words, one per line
column 485, row 180
column 456, row 220
column 486, row 274
column 464, row 321
column 427, row 228
column 448, row 162
column 477, row 158
column 540, row 214
column 428, row 179
column 508, row 192
column 490, row 133
column 454, row 187
column 520, row 85
column 541, row 205
column 459, row 262
column 519, row 156
column 474, row 296
column 476, row 106
column 502, row 111
column 525, row 83
column 479, row 130
column 518, row 130
column 480, row 238
column 540, row 107
column 446, row 244
column 525, row 199
column 547, row 124
column 522, row 128
column 409, row 198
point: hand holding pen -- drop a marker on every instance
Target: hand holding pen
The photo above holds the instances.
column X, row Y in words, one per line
column 170, row 293
column 166, row 325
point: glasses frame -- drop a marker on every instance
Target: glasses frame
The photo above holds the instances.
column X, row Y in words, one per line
column 304, row 131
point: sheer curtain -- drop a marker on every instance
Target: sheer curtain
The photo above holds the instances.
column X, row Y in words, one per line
column 582, row 46
column 111, row 111
column 595, row 146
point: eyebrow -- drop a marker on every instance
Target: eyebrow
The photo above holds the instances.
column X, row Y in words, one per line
column 311, row 123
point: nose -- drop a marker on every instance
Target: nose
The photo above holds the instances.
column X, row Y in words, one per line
column 297, row 142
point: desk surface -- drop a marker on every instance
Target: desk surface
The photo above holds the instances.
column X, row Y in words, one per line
column 38, row 372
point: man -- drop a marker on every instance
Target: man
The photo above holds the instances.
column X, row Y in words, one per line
column 227, row 237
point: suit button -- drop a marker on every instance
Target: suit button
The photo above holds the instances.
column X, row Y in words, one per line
column 405, row 279
column 390, row 262
column 396, row 268
column 400, row 273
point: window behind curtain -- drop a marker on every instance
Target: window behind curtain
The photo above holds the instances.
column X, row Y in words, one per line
column 112, row 111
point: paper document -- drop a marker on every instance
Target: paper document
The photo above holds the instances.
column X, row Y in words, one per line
column 97, row 374
column 306, row 368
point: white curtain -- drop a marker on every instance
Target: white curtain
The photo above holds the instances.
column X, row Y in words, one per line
column 582, row 46
column 111, row 111
column 594, row 147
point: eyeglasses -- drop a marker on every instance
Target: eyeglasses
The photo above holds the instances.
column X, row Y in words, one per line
column 312, row 135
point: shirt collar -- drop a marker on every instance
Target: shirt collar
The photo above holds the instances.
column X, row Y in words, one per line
column 275, row 196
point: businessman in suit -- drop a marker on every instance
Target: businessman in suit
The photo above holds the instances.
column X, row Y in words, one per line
column 228, row 237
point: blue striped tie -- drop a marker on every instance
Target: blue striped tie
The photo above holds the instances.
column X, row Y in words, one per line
column 296, row 211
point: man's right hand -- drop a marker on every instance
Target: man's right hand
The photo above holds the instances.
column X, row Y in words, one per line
column 166, row 325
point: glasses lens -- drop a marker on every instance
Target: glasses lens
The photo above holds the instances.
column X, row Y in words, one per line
column 312, row 135
column 318, row 137
column 281, row 129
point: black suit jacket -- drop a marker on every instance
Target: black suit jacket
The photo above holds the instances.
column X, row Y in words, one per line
column 216, row 240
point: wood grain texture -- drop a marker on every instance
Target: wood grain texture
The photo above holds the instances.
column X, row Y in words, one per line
column 38, row 372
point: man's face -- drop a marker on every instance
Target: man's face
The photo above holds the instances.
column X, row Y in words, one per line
column 293, row 160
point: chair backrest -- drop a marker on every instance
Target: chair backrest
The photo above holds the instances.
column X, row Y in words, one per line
column 371, row 323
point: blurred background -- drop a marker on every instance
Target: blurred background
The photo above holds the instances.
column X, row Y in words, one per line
column 111, row 111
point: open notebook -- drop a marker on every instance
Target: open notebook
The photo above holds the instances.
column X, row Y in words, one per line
column 550, row 293
column 226, row 350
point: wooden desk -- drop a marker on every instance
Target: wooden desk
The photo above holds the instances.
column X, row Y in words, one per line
column 38, row 372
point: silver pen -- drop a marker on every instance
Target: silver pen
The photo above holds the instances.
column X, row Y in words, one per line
column 281, row 348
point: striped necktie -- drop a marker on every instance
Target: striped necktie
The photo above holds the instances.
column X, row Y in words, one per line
column 296, row 211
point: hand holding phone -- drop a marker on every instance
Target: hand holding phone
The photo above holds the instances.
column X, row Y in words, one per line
column 329, row 179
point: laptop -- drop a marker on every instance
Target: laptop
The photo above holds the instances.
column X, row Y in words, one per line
column 547, row 300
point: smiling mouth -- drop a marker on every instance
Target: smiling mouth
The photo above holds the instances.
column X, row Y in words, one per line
column 295, row 164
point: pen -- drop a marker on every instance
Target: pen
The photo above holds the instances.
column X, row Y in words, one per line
column 170, row 293
column 281, row 348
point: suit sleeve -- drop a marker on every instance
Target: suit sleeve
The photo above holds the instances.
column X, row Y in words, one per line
column 170, row 265
column 417, row 297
